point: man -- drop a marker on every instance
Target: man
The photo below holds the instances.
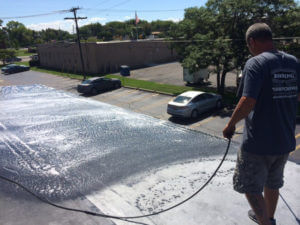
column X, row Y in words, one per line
column 270, row 87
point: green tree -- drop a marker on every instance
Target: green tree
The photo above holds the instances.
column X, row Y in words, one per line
column 6, row 54
column 162, row 26
column 54, row 35
column 19, row 35
column 216, row 32
column 3, row 37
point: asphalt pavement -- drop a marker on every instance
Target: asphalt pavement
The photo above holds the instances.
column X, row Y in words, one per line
column 172, row 73
column 156, row 185
column 149, row 103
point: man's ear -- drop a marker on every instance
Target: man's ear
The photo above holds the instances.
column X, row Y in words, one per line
column 251, row 41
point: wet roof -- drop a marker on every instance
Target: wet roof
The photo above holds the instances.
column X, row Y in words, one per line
column 74, row 150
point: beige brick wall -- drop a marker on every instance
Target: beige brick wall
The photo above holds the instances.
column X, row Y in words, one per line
column 105, row 57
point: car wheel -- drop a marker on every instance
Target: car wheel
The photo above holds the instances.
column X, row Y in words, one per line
column 219, row 104
column 194, row 114
column 94, row 91
column 117, row 85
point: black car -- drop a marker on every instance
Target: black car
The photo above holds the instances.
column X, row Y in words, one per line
column 13, row 68
column 97, row 84
column 13, row 59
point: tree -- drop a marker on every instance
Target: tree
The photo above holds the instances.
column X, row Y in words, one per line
column 6, row 54
column 162, row 26
column 216, row 32
column 3, row 37
column 53, row 35
column 19, row 35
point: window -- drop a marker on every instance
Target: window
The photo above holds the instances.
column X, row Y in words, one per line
column 208, row 96
column 199, row 98
column 182, row 99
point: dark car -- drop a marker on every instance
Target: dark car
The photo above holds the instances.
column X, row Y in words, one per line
column 97, row 84
column 13, row 68
column 14, row 59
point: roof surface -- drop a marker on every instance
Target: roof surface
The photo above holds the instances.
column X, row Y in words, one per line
column 90, row 155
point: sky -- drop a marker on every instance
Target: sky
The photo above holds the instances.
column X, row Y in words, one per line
column 101, row 11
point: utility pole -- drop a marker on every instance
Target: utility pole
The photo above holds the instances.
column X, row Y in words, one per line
column 75, row 18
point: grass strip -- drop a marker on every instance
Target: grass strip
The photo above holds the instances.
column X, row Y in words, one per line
column 23, row 52
column 228, row 98
column 157, row 87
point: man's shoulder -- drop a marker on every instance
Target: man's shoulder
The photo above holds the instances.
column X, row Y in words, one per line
column 254, row 62
column 275, row 54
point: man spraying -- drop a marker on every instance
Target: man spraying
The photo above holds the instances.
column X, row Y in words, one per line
column 270, row 90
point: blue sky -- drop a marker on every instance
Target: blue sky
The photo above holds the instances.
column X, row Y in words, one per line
column 93, row 9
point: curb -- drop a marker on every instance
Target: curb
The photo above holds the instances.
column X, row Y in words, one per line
column 148, row 90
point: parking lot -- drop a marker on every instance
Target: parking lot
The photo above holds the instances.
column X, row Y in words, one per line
column 172, row 73
column 149, row 103
column 122, row 198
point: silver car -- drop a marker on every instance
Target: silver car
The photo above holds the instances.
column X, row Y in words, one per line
column 192, row 103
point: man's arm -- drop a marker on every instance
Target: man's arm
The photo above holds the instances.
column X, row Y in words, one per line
column 241, row 111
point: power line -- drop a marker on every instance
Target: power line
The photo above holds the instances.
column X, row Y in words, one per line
column 102, row 2
column 120, row 3
column 93, row 9
column 36, row 15
column 130, row 10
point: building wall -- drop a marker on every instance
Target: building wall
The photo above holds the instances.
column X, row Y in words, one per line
column 104, row 57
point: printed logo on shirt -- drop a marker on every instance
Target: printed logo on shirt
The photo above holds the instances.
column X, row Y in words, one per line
column 284, row 84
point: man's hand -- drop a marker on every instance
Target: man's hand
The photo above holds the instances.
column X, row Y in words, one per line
column 228, row 131
column 241, row 111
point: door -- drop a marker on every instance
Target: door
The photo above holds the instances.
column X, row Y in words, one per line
column 211, row 101
column 201, row 103
column 99, row 84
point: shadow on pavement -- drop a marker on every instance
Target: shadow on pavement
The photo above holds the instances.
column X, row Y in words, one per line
column 98, row 93
column 203, row 84
column 188, row 121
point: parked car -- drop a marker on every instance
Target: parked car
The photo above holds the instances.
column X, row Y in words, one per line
column 192, row 103
column 13, row 68
column 97, row 84
column 14, row 59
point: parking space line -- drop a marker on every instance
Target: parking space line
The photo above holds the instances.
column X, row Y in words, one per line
column 202, row 122
column 141, row 98
column 157, row 103
column 297, row 136
column 297, row 148
column 114, row 96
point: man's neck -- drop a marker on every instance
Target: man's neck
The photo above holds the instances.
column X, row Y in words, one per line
column 266, row 47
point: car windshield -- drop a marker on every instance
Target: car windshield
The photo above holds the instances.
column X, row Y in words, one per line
column 86, row 82
column 182, row 99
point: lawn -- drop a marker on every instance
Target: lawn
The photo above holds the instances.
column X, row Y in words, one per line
column 23, row 52
column 229, row 98
column 152, row 86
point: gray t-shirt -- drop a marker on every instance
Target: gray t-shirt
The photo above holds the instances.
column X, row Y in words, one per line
column 273, row 79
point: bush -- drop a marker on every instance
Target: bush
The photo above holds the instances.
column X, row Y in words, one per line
column 6, row 54
column 32, row 50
